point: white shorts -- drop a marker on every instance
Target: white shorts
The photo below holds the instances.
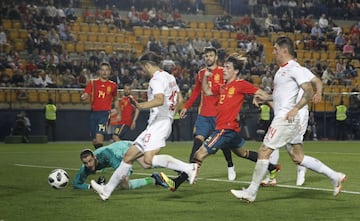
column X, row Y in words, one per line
column 155, row 135
column 304, row 119
column 281, row 132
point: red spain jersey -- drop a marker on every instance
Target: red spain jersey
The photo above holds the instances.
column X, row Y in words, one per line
column 127, row 112
column 102, row 94
column 207, row 103
column 230, row 103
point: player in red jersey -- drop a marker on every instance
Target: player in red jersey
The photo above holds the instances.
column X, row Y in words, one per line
column 231, row 94
column 129, row 115
column 102, row 93
column 205, row 121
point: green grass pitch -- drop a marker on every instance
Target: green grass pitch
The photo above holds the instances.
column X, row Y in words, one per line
column 26, row 195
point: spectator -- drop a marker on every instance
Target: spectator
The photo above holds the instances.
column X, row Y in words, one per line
column 348, row 50
column 317, row 35
column 339, row 41
column 269, row 25
column 5, row 78
column 22, row 127
column 328, row 77
column 224, row 22
column 133, row 16
column 17, row 79
column 323, row 23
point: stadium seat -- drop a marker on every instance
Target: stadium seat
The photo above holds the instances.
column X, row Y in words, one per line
column 65, row 97
column 19, row 45
column 43, row 96
column 75, row 97
column 103, row 28
column 2, row 96
column 7, row 24
column 110, row 38
column 147, row 32
column 32, row 96
column 80, row 47
column 84, row 27
column 92, row 37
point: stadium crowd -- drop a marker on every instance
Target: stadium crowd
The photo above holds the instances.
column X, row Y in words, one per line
column 48, row 23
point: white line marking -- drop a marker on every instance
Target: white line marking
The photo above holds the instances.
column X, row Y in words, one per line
column 214, row 180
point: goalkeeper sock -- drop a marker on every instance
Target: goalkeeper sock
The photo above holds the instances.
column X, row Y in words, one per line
column 137, row 183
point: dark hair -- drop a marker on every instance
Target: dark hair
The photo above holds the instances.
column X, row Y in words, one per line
column 210, row 49
column 237, row 60
column 105, row 63
column 152, row 58
column 286, row 42
column 86, row 152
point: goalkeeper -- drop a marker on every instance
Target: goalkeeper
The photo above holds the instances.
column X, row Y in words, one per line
column 109, row 156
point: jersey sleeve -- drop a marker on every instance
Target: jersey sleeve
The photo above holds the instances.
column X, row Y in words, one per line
column 247, row 87
column 80, row 178
column 88, row 88
column 195, row 92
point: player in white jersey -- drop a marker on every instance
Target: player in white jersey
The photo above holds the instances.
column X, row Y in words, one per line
column 163, row 99
column 304, row 119
column 285, row 125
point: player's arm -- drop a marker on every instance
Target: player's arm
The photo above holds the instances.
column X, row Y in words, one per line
column 318, row 85
column 194, row 95
column 305, row 99
column 180, row 102
column 157, row 101
column 87, row 91
column 136, row 115
column 261, row 97
column 80, row 178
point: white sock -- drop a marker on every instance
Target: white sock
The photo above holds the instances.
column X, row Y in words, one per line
column 170, row 162
column 259, row 173
column 317, row 166
column 119, row 174
column 301, row 169
column 274, row 157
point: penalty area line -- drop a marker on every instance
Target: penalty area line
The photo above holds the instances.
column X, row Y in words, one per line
column 212, row 180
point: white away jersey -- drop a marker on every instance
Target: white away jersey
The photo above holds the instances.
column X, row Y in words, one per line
column 163, row 83
column 287, row 83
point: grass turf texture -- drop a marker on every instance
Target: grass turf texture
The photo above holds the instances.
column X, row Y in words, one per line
column 26, row 195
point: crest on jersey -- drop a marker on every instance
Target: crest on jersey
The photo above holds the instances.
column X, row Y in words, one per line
column 216, row 77
column 231, row 91
column 108, row 90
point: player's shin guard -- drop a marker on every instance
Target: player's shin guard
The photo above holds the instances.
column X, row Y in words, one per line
column 227, row 155
column 196, row 145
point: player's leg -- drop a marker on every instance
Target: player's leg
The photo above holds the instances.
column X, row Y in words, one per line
column 270, row 179
column 119, row 174
column 278, row 134
column 297, row 155
column 230, row 165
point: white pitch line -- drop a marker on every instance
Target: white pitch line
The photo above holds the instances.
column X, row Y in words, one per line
column 214, row 180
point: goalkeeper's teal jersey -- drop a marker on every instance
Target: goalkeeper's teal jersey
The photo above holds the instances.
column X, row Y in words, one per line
column 107, row 156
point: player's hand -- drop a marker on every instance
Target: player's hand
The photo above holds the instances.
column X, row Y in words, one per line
column 316, row 98
column 101, row 180
column 183, row 113
column 208, row 72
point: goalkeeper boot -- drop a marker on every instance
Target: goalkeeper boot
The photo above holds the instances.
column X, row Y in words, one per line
column 159, row 181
